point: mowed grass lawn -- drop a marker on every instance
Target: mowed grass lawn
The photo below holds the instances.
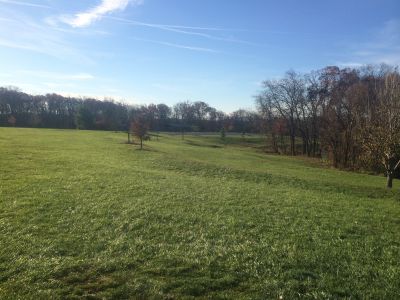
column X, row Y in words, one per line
column 85, row 215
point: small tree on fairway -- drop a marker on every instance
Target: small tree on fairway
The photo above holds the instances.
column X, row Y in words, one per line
column 223, row 134
column 129, row 135
column 12, row 120
column 139, row 128
column 382, row 133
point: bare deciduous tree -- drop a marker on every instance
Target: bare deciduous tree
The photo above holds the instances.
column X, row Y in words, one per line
column 353, row 114
column 139, row 128
column 382, row 132
column 284, row 96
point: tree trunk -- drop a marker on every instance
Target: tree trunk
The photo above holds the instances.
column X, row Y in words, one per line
column 304, row 145
column 141, row 143
column 390, row 174
column 129, row 137
column 335, row 158
column 389, row 184
column 283, row 145
column 293, row 145
column 274, row 143
column 314, row 147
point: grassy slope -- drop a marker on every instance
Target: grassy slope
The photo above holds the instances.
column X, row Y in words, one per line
column 83, row 214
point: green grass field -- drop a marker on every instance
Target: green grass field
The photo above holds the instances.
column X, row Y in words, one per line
column 85, row 215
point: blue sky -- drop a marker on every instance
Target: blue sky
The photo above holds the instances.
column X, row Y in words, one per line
column 144, row 51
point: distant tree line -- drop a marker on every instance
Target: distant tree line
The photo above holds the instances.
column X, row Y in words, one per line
column 55, row 111
column 351, row 115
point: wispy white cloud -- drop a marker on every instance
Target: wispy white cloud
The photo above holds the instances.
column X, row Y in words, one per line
column 388, row 36
column 187, row 30
column 58, row 76
column 106, row 7
column 23, row 3
column 169, row 26
column 5, row 19
column 192, row 48
column 20, row 31
column 54, row 85
column 86, row 18
column 349, row 64
column 189, row 47
column 383, row 47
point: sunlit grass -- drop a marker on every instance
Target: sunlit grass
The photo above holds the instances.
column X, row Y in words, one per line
column 83, row 214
